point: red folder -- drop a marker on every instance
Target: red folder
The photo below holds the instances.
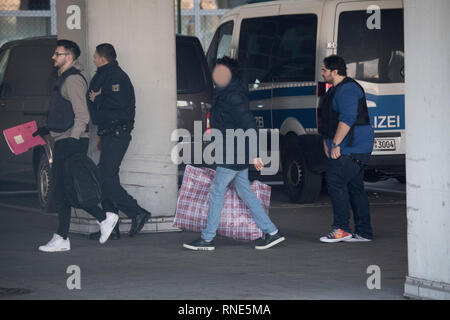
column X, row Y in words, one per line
column 20, row 138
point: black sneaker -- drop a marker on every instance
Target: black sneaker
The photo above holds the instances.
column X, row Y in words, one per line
column 270, row 241
column 200, row 244
column 138, row 222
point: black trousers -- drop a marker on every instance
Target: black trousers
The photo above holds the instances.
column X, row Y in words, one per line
column 115, row 197
column 63, row 150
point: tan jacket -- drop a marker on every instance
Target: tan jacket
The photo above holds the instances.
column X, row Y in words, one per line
column 74, row 89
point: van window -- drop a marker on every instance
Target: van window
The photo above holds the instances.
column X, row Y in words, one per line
column 190, row 73
column 372, row 55
column 220, row 44
column 30, row 70
column 278, row 49
column 4, row 55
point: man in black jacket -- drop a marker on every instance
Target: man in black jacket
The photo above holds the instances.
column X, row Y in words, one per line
column 112, row 108
column 230, row 110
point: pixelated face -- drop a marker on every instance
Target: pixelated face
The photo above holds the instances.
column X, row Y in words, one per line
column 221, row 75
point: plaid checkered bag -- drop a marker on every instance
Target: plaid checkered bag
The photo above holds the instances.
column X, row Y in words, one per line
column 236, row 221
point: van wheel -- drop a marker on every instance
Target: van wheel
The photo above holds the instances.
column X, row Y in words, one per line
column 46, row 185
column 302, row 185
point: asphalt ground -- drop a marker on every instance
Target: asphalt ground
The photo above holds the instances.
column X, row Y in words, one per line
column 156, row 266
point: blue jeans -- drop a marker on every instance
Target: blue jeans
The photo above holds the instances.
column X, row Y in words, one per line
column 217, row 197
column 346, row 187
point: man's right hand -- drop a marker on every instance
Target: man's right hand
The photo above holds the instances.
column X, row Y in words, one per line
column 259, row 165
column 93, row 94
column 42, row 131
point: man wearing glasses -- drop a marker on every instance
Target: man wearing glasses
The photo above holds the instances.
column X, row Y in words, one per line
column 67, row 123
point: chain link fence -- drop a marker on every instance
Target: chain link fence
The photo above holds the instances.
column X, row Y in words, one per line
column 201, row 17
column 29, row 18
column 26, row 18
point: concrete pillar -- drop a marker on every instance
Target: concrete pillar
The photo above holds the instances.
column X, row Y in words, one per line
column 142, row 31
column 427, row 63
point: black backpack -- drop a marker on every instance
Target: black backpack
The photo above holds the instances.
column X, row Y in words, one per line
column 82, row 181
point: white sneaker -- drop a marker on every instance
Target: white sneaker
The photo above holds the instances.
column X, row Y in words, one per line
column 357, row 238
column 56, row 244
column 107, row 226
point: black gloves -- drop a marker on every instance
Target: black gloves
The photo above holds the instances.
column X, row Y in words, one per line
column 42, row 131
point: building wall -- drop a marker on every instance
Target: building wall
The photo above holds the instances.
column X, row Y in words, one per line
column 143, row 34
column 428, row 150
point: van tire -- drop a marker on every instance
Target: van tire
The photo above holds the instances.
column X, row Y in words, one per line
column 302, row 185
column 46, row 185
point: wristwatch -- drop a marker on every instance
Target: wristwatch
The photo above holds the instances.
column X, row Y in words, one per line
column 335, row 145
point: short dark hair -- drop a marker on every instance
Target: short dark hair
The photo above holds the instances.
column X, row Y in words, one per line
column 70, row 47
column 107, row 51
column 231, row 64
column 336, row 63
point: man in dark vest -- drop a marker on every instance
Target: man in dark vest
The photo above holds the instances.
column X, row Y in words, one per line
column 112, row 107
column 67, row 123
column 348, row 143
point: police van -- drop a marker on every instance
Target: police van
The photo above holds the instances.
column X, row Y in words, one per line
column 281, row 45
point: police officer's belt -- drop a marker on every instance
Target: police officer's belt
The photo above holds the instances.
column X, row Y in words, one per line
column 117, row 128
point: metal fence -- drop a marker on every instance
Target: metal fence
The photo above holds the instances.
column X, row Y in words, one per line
column 26, row 18
column 201, row 17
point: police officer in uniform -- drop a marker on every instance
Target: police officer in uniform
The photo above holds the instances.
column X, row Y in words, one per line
column 112, row 108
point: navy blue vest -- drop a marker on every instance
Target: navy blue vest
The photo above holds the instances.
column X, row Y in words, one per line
column 60, row 116
column 329, row 119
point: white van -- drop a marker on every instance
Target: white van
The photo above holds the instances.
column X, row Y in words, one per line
column 281, row 45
